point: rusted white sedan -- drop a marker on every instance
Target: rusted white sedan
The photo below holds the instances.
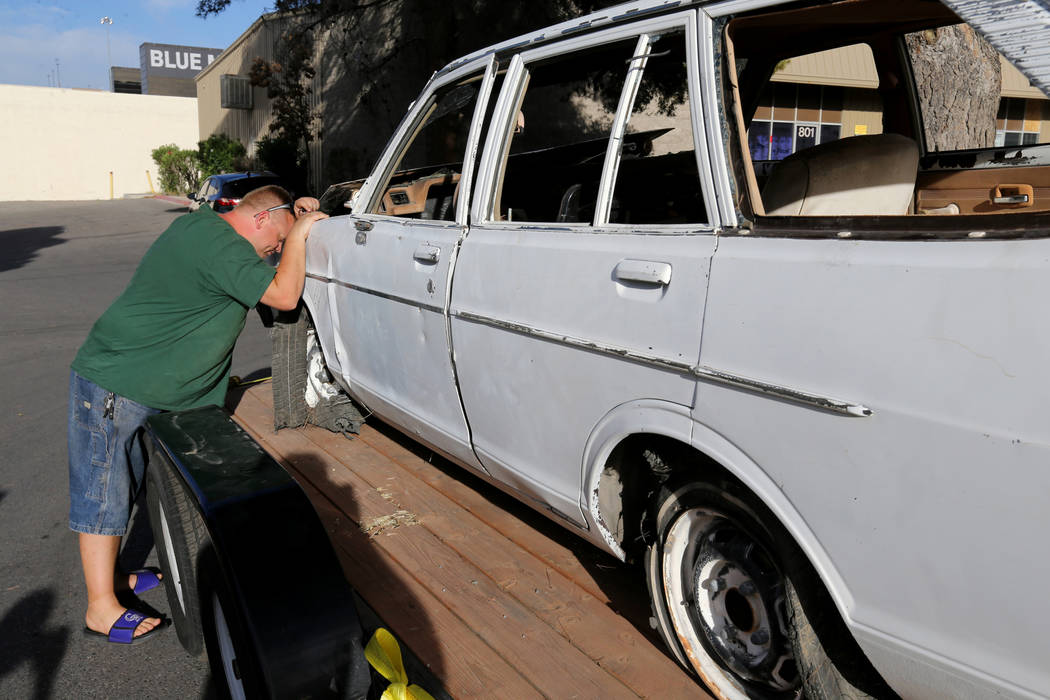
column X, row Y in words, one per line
column 694, row 279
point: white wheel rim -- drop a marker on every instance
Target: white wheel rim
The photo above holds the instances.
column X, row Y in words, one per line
column 679, row 554
column 227, row 654
column 169, row 555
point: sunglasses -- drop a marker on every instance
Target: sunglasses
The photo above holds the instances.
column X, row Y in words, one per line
column 279, row 206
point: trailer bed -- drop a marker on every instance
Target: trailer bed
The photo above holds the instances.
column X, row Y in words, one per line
column 495, row 599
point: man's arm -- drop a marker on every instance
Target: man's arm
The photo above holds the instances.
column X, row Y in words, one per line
column 287, row 285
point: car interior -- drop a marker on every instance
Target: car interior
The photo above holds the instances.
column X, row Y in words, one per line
column 892, row 173
column 805, row 164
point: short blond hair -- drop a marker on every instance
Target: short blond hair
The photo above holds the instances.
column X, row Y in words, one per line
column 265, row 197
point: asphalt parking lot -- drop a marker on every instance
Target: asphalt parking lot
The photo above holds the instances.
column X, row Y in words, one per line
column 61, row 264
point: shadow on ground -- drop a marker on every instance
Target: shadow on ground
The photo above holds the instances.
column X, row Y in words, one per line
column 19, row 246
column 27, row 638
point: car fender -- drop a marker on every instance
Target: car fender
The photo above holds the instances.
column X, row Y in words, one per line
column 650, row 416
column 674, row 421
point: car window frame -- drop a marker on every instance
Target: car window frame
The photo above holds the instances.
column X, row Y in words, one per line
column 917, row 227
column 497, row 142
column 376, row 184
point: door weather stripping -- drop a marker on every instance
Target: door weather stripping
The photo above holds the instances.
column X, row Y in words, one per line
column 706, row 374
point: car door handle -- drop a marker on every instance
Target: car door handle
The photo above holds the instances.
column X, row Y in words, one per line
column 427, row 254
column 363, row 225
column 1014, row 195
column 643, row 271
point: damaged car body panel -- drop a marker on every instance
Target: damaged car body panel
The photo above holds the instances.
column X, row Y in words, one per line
column 656, row 275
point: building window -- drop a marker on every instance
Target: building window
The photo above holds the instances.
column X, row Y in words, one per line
column 1018, row 121
column 792, row 117
column 236, row 92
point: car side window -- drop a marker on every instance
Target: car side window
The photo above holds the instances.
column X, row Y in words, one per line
column 657, row 181
column 424, row 180
column 800, row 107
column 554, row 160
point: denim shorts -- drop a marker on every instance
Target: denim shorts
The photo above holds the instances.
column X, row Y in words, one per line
column 106, row 457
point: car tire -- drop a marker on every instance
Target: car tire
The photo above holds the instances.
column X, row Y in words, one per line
column 180, row 535
column 290, row 364
column 288, row 336
column 725, row 584
column 235, row 669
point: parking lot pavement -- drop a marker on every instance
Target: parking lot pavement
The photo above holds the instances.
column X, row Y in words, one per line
column 61, row 264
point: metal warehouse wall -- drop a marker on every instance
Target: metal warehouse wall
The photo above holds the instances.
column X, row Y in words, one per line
column 60, row 143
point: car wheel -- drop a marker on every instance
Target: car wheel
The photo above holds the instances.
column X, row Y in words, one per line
column 233, row 665
column 303, row 392
column 723, row 582
column 288, row 363
column 180, row 534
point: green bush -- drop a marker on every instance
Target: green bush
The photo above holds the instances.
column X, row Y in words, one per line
column 178, row 170
column 221, row 154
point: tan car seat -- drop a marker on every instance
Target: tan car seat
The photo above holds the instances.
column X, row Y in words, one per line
column 854, row 176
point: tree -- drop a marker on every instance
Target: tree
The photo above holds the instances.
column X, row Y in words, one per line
column 385, row 48
column 958, row 78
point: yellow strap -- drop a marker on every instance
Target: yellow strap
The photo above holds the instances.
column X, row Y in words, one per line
column 237, row 381
column 399, row 691
column 384, row 653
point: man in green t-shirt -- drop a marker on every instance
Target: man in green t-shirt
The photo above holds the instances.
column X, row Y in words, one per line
column 166, row 343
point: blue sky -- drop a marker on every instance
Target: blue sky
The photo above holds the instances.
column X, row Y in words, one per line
column 33, row 33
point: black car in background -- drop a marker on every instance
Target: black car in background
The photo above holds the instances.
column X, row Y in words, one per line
column 224, row 192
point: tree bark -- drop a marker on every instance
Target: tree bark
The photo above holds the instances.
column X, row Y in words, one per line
column 958, row 78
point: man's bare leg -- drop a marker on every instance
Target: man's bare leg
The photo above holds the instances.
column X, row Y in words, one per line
column 98, row 556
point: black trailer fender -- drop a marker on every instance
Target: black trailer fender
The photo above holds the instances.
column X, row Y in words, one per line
column 247, row 561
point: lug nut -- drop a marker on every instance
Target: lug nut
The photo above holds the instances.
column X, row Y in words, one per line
column 714, row 585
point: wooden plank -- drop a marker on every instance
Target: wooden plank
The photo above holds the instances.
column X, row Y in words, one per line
column 538, row 535
column 499, row 510
column 543, row 655
column 466, row 666
column 589, row 624
column 420, row 621
column 600, row 574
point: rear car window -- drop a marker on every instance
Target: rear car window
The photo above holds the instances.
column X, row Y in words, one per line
column 239, row 188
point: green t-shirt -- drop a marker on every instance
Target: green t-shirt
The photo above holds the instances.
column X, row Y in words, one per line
column 167, row 341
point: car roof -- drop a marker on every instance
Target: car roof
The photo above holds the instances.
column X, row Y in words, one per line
column 223, row 178
column 1019, row 29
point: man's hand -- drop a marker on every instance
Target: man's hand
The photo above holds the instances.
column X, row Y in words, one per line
column 302, row 225
column 305, row 204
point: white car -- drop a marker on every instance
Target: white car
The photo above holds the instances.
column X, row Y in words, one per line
column 659, row 276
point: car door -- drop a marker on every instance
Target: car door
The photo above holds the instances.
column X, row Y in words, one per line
column 388, row 280
column 896, row 378
column 202, row 195
column 581, row 285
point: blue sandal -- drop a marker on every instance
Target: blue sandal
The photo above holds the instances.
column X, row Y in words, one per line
column 145, row 580
column 123, row 630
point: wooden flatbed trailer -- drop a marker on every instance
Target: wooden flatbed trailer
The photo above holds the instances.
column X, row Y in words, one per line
column 490, row 597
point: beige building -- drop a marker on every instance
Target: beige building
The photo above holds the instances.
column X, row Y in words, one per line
column 354, row 116
column 67, row 144
column 227, row 101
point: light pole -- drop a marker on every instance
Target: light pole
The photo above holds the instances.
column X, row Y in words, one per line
column 109, row 62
